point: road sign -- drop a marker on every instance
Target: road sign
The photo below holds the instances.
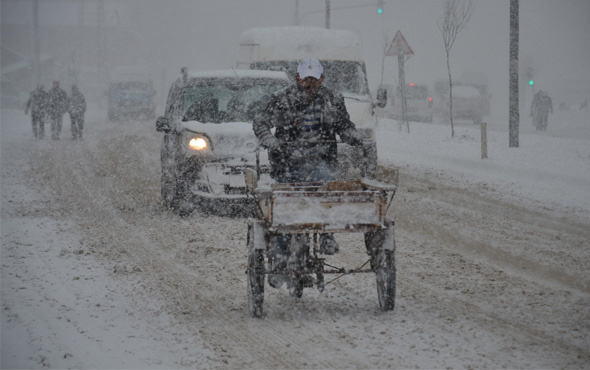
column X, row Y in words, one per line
column 399, row 46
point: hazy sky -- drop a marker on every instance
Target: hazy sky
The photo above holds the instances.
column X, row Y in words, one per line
column 204, row 34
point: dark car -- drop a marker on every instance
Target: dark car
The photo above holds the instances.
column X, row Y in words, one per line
column 131, row 99
column 209, row 141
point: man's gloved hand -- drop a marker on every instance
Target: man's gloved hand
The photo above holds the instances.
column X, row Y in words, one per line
column 368, row 150
column 297, row 155
column 356, row 138
column 270, row 142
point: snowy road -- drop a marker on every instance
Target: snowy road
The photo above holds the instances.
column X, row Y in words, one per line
column 93, row 265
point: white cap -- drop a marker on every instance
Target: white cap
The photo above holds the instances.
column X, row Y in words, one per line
column 310, row 67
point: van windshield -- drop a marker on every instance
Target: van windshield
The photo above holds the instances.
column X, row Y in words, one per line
column 346, row 77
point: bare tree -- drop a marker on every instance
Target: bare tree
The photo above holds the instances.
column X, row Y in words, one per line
column 455, row 17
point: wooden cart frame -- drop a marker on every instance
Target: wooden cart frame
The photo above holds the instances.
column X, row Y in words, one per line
column 304, row 210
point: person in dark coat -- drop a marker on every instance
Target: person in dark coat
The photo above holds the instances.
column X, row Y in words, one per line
column 37, row 104
column 57, row 107
column 77, row 109
column 540, row 108
column 307, row 117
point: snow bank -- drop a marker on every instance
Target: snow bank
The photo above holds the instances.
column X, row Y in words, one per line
column 547, row 169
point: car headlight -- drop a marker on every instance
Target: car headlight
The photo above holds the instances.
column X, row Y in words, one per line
column 195, row 144
column 198, row 143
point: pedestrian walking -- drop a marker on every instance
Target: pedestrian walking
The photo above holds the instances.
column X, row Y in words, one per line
column 37, row 104
column 540, row 108
column 56, row 108
column 77, row 109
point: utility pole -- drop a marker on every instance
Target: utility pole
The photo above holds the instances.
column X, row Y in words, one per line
column 35, row 58
column 92, row 19
column 101, row 46
column 513, row 112
column 328, row 14
column 74, row 67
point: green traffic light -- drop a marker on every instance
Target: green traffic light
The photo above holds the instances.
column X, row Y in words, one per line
column 531, row 82
column 380, row 11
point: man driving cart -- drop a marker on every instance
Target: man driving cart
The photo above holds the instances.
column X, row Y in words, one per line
column 306, row 117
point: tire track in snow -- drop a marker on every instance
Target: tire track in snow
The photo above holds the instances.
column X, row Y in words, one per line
column 131, row 227
column 87, row 192
column 416, row 217
column 457, row 215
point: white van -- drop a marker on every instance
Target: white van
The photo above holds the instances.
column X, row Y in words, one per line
column 339, row 51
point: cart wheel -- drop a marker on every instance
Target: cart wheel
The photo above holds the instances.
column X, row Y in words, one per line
column 255, row 278
column 295, row 286
column 319, row 273
column 298, row 279
column 385, row 274
column 381, row 247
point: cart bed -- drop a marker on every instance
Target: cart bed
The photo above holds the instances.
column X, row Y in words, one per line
column 337, row 206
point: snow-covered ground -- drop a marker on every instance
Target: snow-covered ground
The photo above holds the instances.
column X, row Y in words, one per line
column 492, row 258
column 550, row 167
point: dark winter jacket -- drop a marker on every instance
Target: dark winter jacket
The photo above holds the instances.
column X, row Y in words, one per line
column 37, row 102
column 542, row 104
column 57, row 101
column 76, row 103
column 285, row 113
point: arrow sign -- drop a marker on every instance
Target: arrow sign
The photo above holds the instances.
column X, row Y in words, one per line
column 399, row 46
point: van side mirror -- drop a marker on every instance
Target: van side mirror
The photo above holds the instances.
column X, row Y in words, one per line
column 381, row 98
column 163, row 124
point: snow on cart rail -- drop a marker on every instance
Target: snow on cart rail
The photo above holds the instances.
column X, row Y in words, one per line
column 337, row 206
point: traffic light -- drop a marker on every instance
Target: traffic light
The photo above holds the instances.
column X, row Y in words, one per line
column 380, row 7
column 530, row 76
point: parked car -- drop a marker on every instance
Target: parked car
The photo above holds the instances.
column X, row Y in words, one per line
column 479, row 80
column 419, row 103
column 209, row 142
column 467, row 102
column 131, row 98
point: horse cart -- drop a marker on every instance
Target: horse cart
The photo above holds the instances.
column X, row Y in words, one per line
column 306, row 210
